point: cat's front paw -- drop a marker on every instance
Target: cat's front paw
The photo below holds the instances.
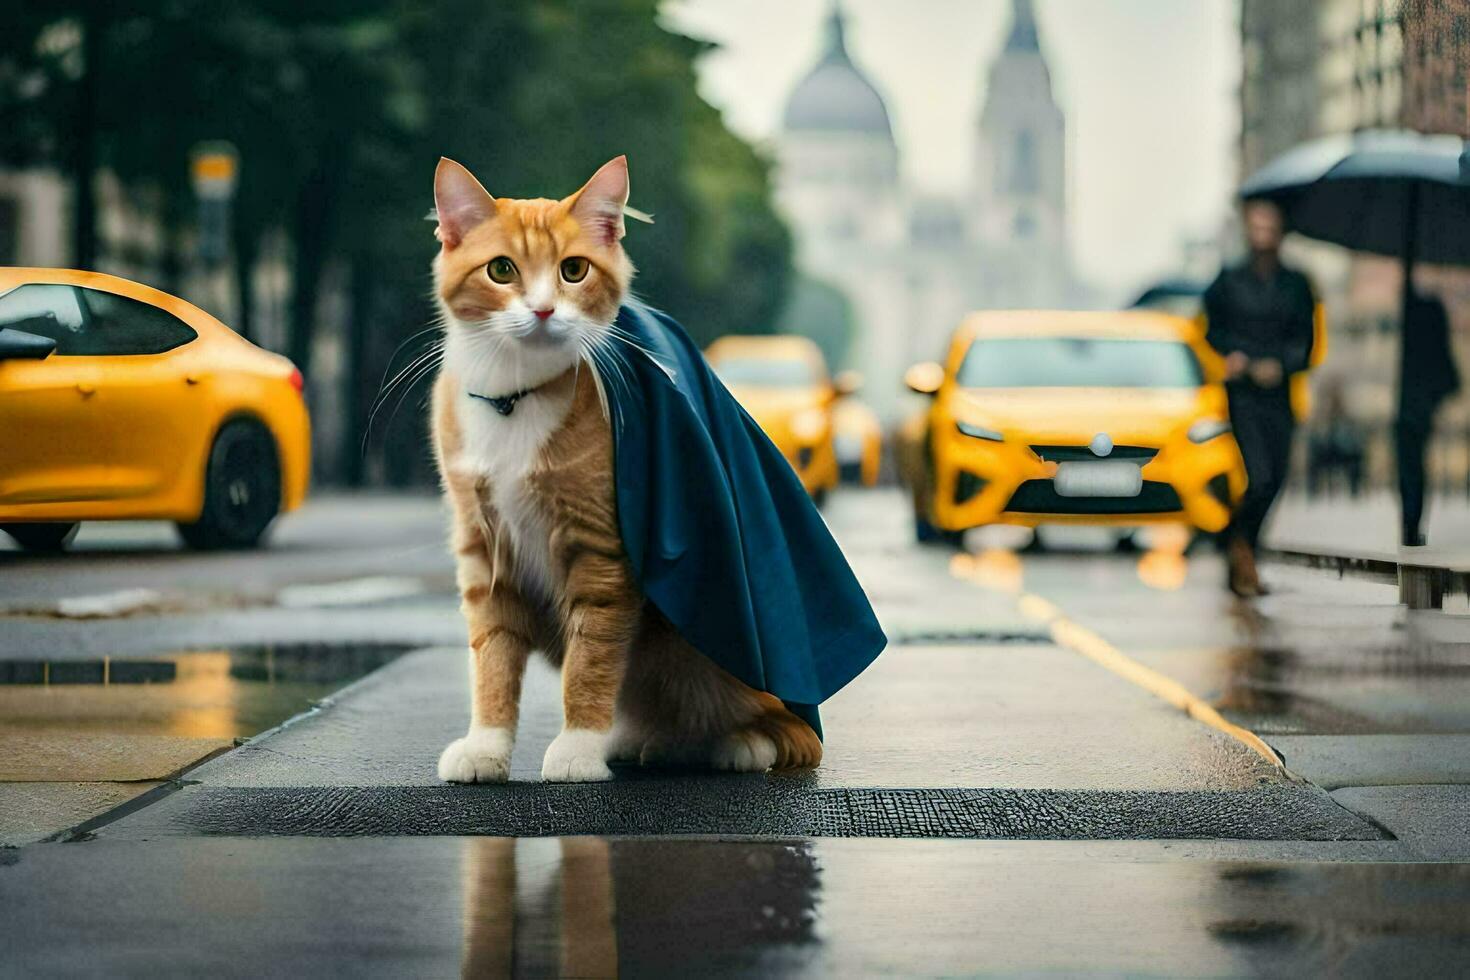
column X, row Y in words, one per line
column 482, row 756
column 577, row 755
column 745, row 750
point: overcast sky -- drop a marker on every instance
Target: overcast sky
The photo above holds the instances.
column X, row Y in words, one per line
column 1148, row 87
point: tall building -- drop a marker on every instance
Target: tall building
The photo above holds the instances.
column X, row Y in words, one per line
column 910, row 264
column 1436, row 66
column 1313, row 68
column 1320, row 67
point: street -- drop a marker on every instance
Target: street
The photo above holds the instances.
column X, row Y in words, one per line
column 1068, row 760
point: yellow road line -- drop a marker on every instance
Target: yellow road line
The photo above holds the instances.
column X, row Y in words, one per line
column 1079, row 639
column 1082, row 640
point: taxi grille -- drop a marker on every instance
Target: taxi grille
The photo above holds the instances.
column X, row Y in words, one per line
column 1040, row 497
column 1067, row 454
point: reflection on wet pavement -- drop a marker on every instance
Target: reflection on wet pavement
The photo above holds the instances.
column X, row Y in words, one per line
column 583, row 906
column 1320, row 656
column 1371, row 687
column 79, row 737
column 196, row 694
column 593, row 907
column 1166, row 571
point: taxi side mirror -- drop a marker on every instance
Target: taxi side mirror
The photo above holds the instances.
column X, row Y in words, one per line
column 847, row 383
column 924, row 378
column 21, row 345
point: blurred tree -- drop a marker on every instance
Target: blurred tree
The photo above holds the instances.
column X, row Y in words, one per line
column 590, row 81
column 338, row 110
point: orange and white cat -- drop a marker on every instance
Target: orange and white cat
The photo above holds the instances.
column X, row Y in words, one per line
column 528, row 291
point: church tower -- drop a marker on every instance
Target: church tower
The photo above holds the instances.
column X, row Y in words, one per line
column 838, row 176
column 1019, row 193
column 838, row 184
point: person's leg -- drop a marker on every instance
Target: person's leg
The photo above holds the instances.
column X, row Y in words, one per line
column 1264, row 433
column 1280, row 428
column 1251, row 435
column 1411, row 436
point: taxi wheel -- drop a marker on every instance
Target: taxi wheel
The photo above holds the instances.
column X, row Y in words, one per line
column 924, row 532
column 242, row 489
column 927, row 533
column 41, row 538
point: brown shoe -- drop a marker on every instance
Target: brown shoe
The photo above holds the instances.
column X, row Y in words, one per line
column 1244, row 580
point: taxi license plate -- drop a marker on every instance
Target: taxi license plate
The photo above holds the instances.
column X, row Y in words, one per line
column 1100, row 479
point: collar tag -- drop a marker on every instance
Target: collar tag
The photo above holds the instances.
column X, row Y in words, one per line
column 504, row 404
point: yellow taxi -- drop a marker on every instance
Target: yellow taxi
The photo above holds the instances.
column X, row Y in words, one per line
column 118, row 401
column 1040, row 417
column 782, row 381
column 858, row 437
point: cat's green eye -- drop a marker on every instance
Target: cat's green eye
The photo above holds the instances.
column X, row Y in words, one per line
column 501, row 269
column 574, row 269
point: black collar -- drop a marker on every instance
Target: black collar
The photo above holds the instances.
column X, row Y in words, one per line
column 504, row 404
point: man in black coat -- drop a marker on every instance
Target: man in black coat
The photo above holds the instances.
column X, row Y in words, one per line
column 1428, row 376
column 1260, row 317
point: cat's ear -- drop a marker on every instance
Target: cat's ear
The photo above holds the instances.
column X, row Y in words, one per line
column 598, row 206
column 460, row 201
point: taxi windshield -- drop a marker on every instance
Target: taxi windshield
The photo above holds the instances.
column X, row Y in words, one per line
column 766, row 372
column 1078, row 362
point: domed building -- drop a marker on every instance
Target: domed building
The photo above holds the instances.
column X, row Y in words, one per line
column 911, row 266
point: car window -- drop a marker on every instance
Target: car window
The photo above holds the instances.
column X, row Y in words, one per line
column 120, row 325
column 766, row 372
column 1079, row 362
column 47, row 309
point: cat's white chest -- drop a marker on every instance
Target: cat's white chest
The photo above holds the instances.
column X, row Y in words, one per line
column 504, row 449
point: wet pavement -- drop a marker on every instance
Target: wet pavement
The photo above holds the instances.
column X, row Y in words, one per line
column 967, row 765
column 588, row 906
column 1069, row 744
column 79, row 737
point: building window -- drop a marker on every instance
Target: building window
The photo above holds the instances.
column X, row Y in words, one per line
column 1024, row 178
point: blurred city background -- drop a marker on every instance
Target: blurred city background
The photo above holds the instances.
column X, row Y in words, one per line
column 863, row 173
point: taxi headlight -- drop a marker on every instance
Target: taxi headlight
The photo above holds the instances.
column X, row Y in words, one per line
column 809, row 426
column 979, row 432
column 1206, row 429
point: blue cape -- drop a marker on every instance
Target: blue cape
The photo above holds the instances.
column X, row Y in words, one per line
column 721, row 534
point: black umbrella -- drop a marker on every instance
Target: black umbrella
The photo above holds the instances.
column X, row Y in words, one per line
column 1391, row 192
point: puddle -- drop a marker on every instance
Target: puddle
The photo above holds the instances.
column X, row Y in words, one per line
column 1368, row 688
column 229, row 693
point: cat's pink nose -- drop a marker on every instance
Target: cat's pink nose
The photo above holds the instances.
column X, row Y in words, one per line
column 543, row 314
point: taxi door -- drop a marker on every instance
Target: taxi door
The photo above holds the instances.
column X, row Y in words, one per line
column 50, row 446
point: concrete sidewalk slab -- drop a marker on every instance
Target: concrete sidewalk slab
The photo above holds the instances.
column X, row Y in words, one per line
column 1433, row 820
column 920, row 717
column 1337, row 761
column 70, row 757
column 31, row 812
column 931, row 742
column 1369, row 523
